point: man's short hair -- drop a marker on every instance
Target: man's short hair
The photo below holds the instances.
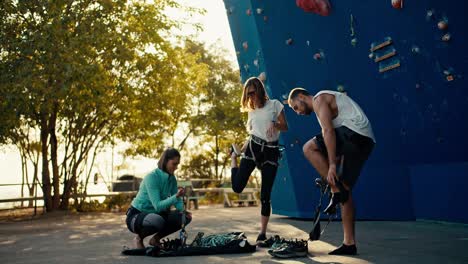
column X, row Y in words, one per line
column 295, row 92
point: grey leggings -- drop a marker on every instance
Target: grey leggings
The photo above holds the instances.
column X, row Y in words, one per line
column 145, row 224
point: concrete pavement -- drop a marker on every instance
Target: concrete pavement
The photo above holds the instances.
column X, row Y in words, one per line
column 98, row 238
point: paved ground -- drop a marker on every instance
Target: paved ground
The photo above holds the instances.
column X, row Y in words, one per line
column 99, row 237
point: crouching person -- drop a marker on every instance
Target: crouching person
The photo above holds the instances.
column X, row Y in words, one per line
column 149, row 213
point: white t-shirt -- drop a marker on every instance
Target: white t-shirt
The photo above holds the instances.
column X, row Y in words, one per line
column 260, row 120
column 350, row 115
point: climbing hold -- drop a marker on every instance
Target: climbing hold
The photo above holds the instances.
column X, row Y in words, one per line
column 230, row 10
column 352, row 25
column 353, row 33
column 321, row 7
column 446, row 37
column 340, row 88
column 430, row 14
column 371, row 55
column 259, row 11
column 308, row 43
column 248, row 12
column 255, row 62
column 398, row 4
column 246, row 67
column 415, row 49
column 265, row 18
column 317, row 56
column 289, row 41
column 245, row 45
column 442, row 25
column 262, row 76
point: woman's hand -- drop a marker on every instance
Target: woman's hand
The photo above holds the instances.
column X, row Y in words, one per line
column 331, row 175
column 180, row 192
column 271, row 130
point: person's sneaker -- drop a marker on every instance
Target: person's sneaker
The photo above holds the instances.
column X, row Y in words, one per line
column 339, row 197
column 344, row 250
column 261, row 240
column 235, row 148
column 290, row 249
column 278, row 242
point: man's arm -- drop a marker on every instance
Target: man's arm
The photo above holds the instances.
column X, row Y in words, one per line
column 325, row 115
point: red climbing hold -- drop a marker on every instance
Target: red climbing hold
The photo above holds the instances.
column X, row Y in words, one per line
column 321, row 7
column 398, row 4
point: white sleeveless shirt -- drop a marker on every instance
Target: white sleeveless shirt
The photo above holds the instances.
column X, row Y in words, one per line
column 349, row 115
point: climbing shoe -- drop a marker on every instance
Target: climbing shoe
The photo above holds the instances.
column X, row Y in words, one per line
column 290, row 249
column 261, row 240
column 344, row 250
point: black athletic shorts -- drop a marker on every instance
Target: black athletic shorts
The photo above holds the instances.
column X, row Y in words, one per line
column 355, row 148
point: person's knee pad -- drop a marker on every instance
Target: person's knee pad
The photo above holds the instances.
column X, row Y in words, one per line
column 266, row 208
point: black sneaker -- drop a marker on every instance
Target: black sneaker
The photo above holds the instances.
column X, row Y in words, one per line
column 261, row 240
column 321, row 184
column 339, row 197
column 235, row 148
column 334, row 201
column 277, row 242
column 345, row 250
column 290, row 249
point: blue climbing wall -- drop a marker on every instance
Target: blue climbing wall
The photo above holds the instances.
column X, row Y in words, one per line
column 419, row 167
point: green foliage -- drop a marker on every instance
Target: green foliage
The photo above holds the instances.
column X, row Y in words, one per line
column 85, row 72
column 217, row 121
column 91, row 206
column 212, row 198
column 118, row 201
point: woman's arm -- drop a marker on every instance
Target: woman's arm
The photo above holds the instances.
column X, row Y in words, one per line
column 179, row 205
column 153, row 187
column 281, row 124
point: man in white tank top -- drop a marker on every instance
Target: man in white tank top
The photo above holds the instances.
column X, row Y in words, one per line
column 347, row 139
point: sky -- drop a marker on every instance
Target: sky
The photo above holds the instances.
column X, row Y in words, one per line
column 216, row 29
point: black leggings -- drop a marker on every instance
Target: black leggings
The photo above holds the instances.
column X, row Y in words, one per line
column 145, row 224
column 266, row 160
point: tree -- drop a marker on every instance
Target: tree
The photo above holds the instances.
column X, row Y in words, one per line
column 77, row 72
column 219, row 121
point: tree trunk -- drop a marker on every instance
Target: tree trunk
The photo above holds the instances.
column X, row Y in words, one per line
column 46, row 188
column 23, row 174
column 216, row 157
column 67, row 188
column 54, row 157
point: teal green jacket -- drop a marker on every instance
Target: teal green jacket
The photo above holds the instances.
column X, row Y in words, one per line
column 157, row 193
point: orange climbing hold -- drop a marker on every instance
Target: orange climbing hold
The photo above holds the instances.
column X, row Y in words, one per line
column 321, row 7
